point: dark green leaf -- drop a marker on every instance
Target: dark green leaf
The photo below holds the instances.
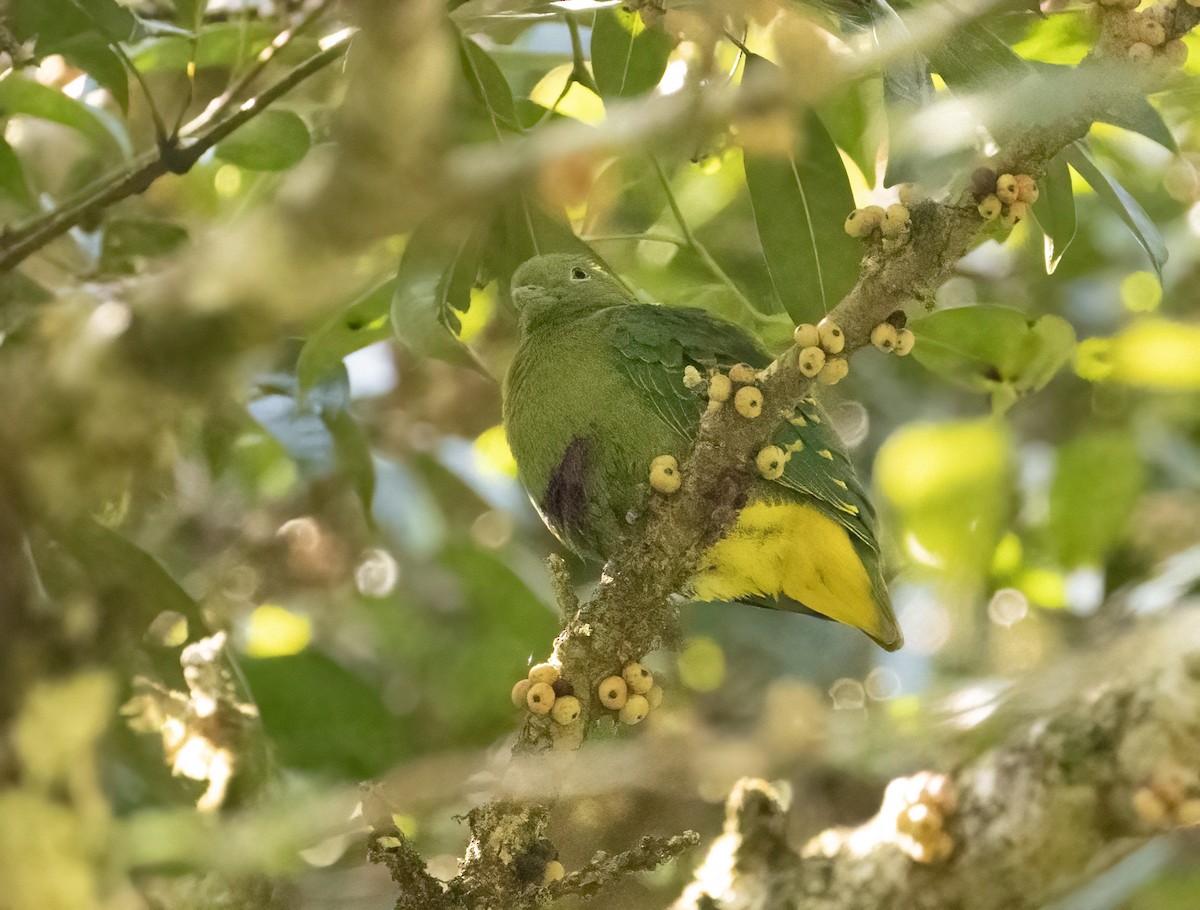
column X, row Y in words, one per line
column 993, row 349
column 24, row 96
column 1055, row 210
column 362, row 323
column 18, row 289
column 224, row 44
column 1142, row 117
column 12, row 175
column 273, row 141
column 126, row 240
column 353, row 453
column 975, row 57
column 1097, row 482
column 627, row 58
column 907, row 88
column 857, row 121
column 1118, row 199
column 799, row 202
column 431, row 283
column 488, row 85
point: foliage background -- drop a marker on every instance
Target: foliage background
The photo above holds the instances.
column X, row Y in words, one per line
column 208, row 416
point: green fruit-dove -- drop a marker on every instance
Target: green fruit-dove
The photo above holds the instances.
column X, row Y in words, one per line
column 596, row 393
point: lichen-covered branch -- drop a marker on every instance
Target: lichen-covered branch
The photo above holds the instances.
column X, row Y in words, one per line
column 1060, row 800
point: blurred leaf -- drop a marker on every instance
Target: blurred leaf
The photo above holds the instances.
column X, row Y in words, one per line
column 974, row 56
column 83, row 32
column 1118, row 199
column 627, row 58
column 12, row 175
column 1150, row 353
column 488, row 85
column 436, row 274
column 1055, row 211
column 190, row 11
column 24, row 96
column 17, row 288
column 404, row 508
column 273, row 141
column 796, row 198
column 1098, row 478
column 359, row 325
column 907, row 87
column 949, row 485
column 317, row 430
column 993, row 349
column 306, row 692
column 224, row 44
column 126, row 240
column 1142, row 117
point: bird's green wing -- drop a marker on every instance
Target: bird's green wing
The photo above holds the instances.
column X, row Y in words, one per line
column 818, row 466
column 655, row 344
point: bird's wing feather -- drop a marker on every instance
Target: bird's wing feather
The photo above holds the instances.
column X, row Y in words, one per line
column 656, row 343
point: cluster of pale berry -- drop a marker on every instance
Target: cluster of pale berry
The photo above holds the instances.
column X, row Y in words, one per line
column 544, row 692
column 1168, row 799
column 892, row 223
column 1142, row 35
column 1004, row 196
column 632, row 695
column 924, row 802
column 817, row 349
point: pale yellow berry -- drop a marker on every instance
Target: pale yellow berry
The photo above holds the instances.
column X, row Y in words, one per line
column 719, row 387
column 519, row 691
column 1175, row 52
column 905, row 340
column 614, row 691
column 741, row 372
column 874, row 214
column 771, row 461
column 654, row 697
column 1149, row 807
column 895, row 221
column 1170, row 782
column 635, row 710
column 748, row 402
column 540, row 698
column 1140, row 52
column 1017, row 212
column 1130, row 4
column 833, row 339
column 566, row 710
column 937, row 848
column 920, row 822
column 692, row 378
column 884, row 337
column 1152, row 32
column 810, row 361
column 1006, row 188
column 990, row 208
column 1027, row 189
column 1187, row 813
column 911, row 194
column 546, row 673
column 554, row 872
column 806, row 335
column 858, row 225
column 638, row 678
column 836, row 369
column 664, row 474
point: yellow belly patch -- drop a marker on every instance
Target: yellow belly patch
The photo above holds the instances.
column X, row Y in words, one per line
column 796, row 550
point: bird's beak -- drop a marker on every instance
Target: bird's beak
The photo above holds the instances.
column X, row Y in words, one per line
column 525, row 291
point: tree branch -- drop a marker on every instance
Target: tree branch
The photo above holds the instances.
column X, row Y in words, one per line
column 176, row 158
column 1060, row 800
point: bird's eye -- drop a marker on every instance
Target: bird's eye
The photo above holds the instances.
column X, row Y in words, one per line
column 579, row 274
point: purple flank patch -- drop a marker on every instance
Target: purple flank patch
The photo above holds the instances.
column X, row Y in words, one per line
column 566, row 496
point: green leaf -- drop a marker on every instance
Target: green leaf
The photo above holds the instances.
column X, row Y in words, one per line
column 907, row 88
column 362, row 323
column 273, row 141
column 1118, row 199
column 1140, row 116
column 1097, row 481
column 993, row 349
column 24, row 96
column 627, row 58
column 435, row 277
column 800, row 201
column 975, row 57
column 218, row 44
column 12, row 175
column 488, row 85
column 126, row 240
column 16, row 288
column 1055, row 211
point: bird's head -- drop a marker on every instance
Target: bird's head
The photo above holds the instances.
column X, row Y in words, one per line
column 547, row 283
